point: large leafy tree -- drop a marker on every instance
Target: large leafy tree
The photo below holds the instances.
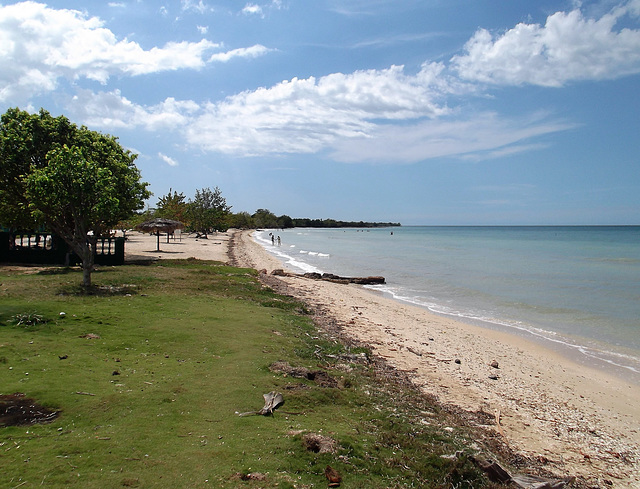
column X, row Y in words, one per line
column 25, row 140
column 208, row 211
column 79, row 183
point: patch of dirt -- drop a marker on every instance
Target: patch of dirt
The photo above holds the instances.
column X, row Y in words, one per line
column 18, row 410
column 317, row 443
column 320, row 377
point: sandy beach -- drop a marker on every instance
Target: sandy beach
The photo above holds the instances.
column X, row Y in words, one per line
column 574, row 420
column 140, row 246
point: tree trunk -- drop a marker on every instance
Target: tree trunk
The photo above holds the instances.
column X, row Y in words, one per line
column 87, row 257
column 85, row 251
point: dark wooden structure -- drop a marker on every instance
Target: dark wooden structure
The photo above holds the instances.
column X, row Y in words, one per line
column 48, row 249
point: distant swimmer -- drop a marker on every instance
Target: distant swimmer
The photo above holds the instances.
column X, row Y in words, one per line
column 273, row 239
column 279, row 242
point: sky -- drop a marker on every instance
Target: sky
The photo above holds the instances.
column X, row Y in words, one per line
column 434, row 112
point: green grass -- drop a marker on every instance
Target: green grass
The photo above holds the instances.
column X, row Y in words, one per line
column 175, row 351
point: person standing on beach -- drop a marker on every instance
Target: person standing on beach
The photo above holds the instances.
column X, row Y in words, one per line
column 279, row 242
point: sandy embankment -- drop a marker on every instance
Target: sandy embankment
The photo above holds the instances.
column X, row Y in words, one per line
column 576, row 420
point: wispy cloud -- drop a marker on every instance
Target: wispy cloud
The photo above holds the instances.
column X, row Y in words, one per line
column 356, row 119
column 261, row 10
column 250, row 52
column 167, row 159
column 198, row 7
column 469, row 137
column 253, row 9
column 399, row 39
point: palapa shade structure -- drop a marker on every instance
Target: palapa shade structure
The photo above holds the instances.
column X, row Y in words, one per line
column 160, row 225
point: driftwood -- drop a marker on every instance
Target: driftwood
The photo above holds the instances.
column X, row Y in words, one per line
column 330, row 277
column 272, row 401
column 496, row 473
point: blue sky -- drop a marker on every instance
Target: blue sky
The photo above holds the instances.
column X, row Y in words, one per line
column 422, row 112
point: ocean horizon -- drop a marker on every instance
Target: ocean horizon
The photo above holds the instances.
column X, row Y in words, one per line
column 574, row 289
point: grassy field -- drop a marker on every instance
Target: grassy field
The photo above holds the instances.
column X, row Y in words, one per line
column 149, row 372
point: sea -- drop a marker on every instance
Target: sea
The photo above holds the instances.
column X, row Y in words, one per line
column 575, row 289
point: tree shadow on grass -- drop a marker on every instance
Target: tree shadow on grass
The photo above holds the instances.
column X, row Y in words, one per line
column 99, row 290
column 57, row 271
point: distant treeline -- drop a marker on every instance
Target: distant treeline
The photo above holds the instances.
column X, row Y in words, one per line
column 208, row 211
column 332, row 223
column 264, row 218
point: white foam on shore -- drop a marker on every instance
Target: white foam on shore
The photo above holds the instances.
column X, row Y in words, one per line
column 573, row 348
column 283, row 257
column 614, row 359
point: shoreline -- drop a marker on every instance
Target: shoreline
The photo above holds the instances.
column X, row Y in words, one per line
column 574, row 420
column 580, row 420
column 574, row 352
column 613, row 357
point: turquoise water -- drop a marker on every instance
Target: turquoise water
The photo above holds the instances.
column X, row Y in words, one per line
column 576, row 288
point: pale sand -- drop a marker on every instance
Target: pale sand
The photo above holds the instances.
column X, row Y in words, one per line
column 580, row 421
column 140, row 246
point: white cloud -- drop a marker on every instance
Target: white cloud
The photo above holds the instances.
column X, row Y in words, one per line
column 202, row 29
column 167, row 159
column 199, row 7
column 305, row 116
column 252, row 9
column 40, row 45
column 375, row 116
column 568, row 47
column 111, row 110
column 250, row 52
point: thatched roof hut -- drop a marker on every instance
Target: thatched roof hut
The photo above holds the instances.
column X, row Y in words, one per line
column 160, row 225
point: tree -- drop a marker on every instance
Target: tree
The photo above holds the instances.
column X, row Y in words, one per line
column 264, row 218
column 172, row 206
column 208, row 211
column 241, row 220
column 79, row 183
column 285, row 222
column 25, row 140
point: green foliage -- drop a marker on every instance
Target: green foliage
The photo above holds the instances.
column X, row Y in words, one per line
column 79, row 183
column 332, row 223
column 208, row 212
column 148, row 386
column 241, row 220
column 264, row 218
column 172, row 206
column 131, row 222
